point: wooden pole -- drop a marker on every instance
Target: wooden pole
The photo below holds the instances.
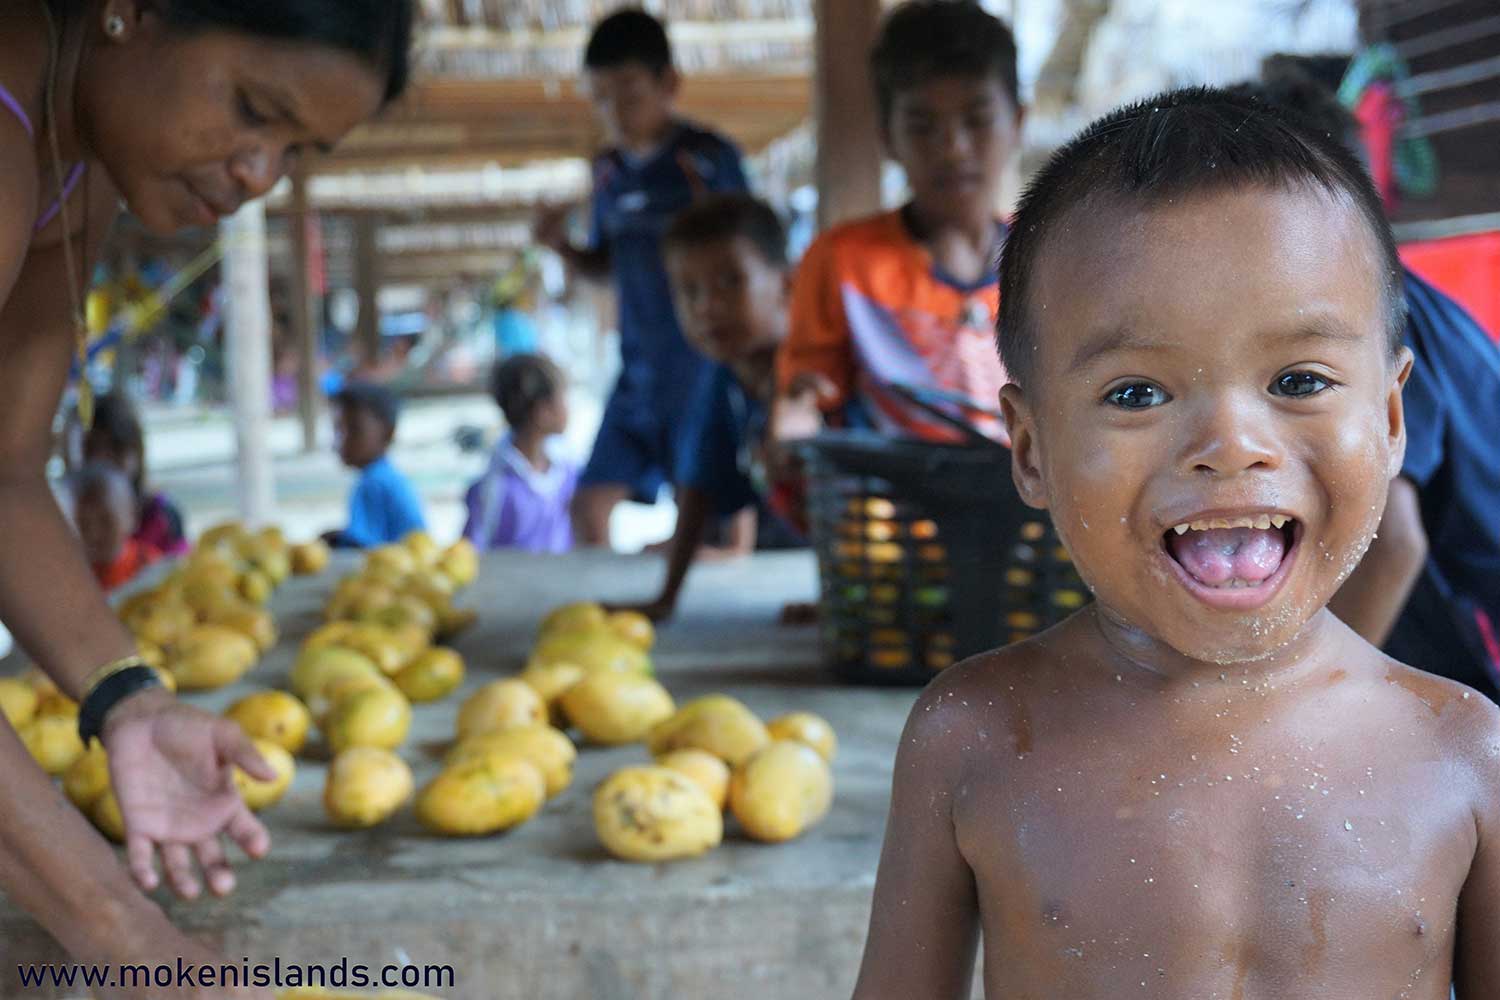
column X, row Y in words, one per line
column 247, row 335
column 367, row 285
column 850, row 155
column 304, row 314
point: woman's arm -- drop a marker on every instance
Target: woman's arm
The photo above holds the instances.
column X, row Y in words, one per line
column 168, row 761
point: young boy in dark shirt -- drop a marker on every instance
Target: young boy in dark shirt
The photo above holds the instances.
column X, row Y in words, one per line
column 656, row 166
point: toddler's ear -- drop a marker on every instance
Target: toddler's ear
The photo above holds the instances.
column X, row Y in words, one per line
column 1025, row 452
column 1396, row 412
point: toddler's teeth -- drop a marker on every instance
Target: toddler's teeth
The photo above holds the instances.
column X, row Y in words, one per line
column 1278, row 521
column 1263, row 522
column 1181, row 529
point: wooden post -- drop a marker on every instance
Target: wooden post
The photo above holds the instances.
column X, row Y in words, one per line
column 850, row 155
column 367, row 285
column 305, row 313
column 247, row 335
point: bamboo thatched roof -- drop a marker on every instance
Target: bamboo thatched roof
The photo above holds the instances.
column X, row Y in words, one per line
column 497, row 115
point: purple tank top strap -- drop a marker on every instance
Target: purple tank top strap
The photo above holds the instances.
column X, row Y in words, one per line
column 9, row 100
column 74, row 175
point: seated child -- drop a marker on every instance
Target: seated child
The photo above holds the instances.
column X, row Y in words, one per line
column 1203, row 784
column 116, row 437
column 726, row 258
column 522, row 500
column 910, row 296
column 104, row 513
column 384, row 507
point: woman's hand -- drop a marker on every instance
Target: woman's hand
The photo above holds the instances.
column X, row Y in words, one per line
column 172, row 770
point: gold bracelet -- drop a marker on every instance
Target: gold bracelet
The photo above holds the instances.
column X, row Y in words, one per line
column 109, row 669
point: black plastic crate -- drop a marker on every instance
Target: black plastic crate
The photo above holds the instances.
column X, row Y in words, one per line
column 926, row 555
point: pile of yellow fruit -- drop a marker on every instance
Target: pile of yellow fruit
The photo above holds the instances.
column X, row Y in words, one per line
column 359, row 674
column 206, row 624
column 592, row 670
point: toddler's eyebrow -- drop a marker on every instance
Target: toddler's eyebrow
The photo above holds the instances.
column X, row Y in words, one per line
column 1111, row 341
column 1328, row 328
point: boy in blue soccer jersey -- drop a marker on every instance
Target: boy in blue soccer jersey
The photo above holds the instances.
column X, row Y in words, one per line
column 655, row 167
column 731, row 282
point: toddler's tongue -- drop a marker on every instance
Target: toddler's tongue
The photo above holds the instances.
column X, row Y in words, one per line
column 1220, row 555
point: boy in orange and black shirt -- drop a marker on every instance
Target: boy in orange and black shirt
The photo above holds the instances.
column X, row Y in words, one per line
column 911, row 296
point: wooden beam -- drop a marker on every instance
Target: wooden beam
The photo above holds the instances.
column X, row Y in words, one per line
column 304, row 314
column 367, row 285
column 247, row 336
column 850, row 155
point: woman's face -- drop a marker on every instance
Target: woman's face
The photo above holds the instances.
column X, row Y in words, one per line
column 190, row 125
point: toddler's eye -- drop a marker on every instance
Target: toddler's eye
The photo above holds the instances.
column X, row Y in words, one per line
column 1299, row 384
column 1136, row 396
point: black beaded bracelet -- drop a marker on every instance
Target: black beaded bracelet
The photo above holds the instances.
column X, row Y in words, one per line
column 107, row 694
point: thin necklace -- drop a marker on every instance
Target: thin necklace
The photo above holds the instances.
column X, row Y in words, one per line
column 75, row 293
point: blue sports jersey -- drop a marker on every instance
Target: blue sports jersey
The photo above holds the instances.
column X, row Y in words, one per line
column 634, row 201
column 722, row 428
column 383, row 507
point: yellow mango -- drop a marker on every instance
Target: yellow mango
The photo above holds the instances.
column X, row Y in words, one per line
column 53, row 742
column 259, row 794
column 594, row 651
column 805, row 727
column 704, row 769
column 717, row 723
column 611, row 708
column 434, row 674
column 365, row 785
column 423, row 549
column 210, row 656
column 88, row 777
column 655, row 814
column 105, row 814
column 377, row 717
column 634, row 627
column 460, row 563
column 274, row 716
column 482, row 795
column 320, row 665
column 783, row 789
column 18, row 701
column 309, row 557
column 547, row 748
column 582, row 616
column 500, row 705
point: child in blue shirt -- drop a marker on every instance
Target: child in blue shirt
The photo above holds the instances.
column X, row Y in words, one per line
column 521, row 501
column 384, row 507
column 731, row 280
column 656, row 166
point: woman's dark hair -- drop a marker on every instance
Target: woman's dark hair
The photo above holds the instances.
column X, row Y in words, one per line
column 522, row 383
column 377, row 31
column 118, row 424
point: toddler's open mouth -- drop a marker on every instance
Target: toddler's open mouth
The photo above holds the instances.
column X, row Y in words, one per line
column 1233, row 562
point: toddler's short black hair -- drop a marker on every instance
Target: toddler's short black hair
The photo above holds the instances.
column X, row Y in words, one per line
column 523, row 382
column 725, row 216
column 1177, row 144
column 924, row 40
column 627, row 36
column 376, row 399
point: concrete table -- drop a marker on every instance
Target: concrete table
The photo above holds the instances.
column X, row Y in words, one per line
column 543, row 912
